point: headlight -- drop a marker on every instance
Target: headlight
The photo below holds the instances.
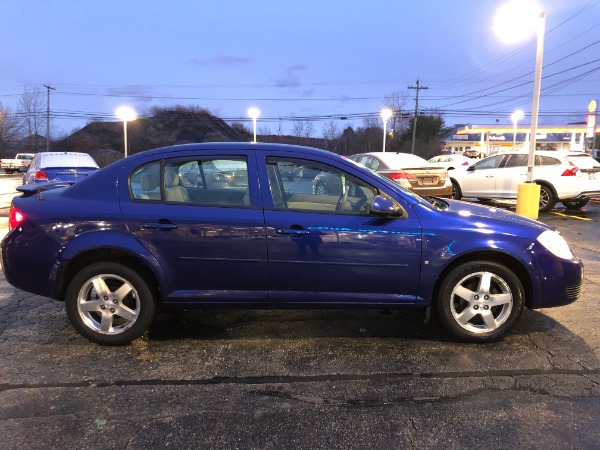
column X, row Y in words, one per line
column 555, row 243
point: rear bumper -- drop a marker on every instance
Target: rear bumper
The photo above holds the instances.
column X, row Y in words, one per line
column 434, row 192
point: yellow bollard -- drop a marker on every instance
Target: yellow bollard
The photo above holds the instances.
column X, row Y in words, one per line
column 528, row 200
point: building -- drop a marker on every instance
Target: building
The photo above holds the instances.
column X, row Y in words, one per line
column 490, row 139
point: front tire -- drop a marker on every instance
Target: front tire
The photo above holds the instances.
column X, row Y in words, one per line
column 480, row 301
column 110, row 304
column 547, row 198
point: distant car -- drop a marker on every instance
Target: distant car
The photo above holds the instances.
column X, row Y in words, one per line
column 568, row 177
column 410, row 171
column 451, row 162
column 59, row 166
column 475, row 154
column 116, row 247
column 19, row 164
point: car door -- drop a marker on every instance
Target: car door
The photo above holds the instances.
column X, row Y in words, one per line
column 479, row 180
column 201, row 218
column 328, row 248
column 510, row 175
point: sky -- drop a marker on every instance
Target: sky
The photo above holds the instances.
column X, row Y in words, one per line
column 319, row 60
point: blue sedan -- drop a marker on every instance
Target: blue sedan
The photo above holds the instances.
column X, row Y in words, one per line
column 155, row 229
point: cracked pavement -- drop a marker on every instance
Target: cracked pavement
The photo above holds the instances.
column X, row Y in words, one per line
column 306, row 379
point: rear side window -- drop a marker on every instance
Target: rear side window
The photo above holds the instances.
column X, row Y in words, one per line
column 144, row 183
column 516, row 161
column 547, row 161
column 206, row 181
column 583, row 161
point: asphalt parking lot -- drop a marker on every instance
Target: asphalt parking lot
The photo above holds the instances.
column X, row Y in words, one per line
column 306, row 379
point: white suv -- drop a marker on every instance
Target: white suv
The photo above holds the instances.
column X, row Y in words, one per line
column 568, row 177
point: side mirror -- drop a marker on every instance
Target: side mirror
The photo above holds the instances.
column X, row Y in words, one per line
column 383, row 206
column 471, row 168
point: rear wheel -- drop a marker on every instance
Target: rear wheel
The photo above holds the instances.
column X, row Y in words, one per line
column 575, row 204
column 480, row 301
column 110, row 304
column 456, row 192
column 547, row 198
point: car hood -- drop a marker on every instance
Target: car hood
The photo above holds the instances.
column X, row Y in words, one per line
column 492, row 216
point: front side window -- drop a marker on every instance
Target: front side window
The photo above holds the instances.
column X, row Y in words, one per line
column 322, row 188
column 489, row 163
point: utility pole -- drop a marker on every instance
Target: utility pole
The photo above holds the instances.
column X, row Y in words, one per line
column 417, row 88
column 48, row 87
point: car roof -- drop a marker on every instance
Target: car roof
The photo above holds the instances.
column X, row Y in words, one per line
column 65, row 159
column 398, row 160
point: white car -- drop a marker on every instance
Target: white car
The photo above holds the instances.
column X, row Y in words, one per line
column 451, row 162
column 568, row 177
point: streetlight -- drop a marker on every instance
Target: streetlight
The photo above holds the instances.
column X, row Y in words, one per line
column 125, row 113
column 516, row 116
column 254, row 113
column 513, row 22
column 386, row 113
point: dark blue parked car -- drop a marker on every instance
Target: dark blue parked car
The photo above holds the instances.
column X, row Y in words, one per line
column 59, row 166
column 155, row 229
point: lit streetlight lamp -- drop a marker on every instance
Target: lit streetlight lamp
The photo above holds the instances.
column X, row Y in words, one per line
column 516, row 116
column 125, row 113
column 386, row 113
column 515, row 21
column 254, row 113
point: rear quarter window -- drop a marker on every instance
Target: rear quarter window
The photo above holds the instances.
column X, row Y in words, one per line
column 583, row 161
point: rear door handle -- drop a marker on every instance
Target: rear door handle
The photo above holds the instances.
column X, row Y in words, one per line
column 291, row 231
column 160, row 225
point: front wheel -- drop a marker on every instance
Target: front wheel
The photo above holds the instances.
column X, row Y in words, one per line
column 479, row 301
column 110, row 304
column 547, row 198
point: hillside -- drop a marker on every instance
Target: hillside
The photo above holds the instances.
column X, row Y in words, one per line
column 104, row 140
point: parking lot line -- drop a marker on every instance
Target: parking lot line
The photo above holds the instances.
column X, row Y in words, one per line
column 569, row 216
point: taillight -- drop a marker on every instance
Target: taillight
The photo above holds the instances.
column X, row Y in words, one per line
column 466, row 163
column 40, row 175
column 571, row 171
column 402, row 176
column 15, row 217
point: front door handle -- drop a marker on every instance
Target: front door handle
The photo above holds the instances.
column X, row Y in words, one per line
column 160, row 225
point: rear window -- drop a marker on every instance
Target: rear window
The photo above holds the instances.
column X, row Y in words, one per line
column 583, row 161
column 67, row 160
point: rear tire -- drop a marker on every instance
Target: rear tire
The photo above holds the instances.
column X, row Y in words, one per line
column 479, row 301
column 110, row 304
column 456, row 192
column 574, row 204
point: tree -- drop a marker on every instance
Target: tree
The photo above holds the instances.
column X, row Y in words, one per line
column 428, row 136
column 298, row 128
column 32, row 109
column 396, row 101
column 242, row 130
column 10, row 128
